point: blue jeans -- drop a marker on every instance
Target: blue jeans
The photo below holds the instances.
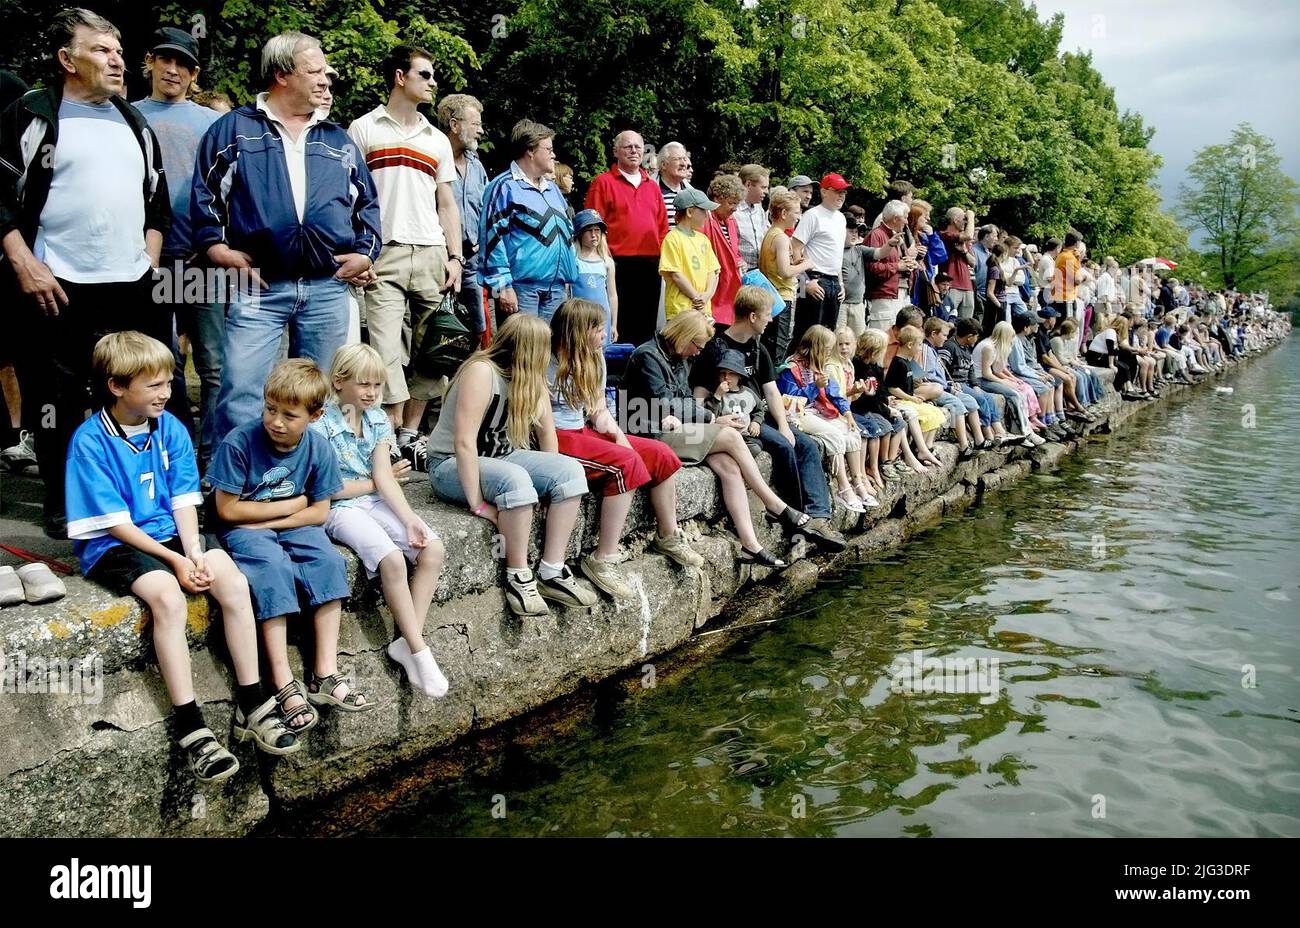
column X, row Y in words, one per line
column 316, row 311
column 797, row 472
column 1014, row 406
column 519, row 478
column 989, row 412
column 540, row 301
column 288, row 569
column 209, row 330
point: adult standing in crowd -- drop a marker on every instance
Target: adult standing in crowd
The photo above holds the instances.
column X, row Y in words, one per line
column 674, row 175
column 958, row 234
column 884, row 296
column 83, row 215
column 462, row 120
column 526, row 234
column 751, row 214
column 721, row 229
column 633, row 208
column 1069, row 274
column 172, row 64
column 981, row 248
column 821, row 232
column 412, row 164
column 802, row 185
column 300, row 244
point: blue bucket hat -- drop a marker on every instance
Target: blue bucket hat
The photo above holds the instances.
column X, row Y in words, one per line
column 587, row 218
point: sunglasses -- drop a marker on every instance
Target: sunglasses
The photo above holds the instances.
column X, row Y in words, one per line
column 427, row 75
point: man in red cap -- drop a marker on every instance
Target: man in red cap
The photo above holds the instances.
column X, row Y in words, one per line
column 821, row 232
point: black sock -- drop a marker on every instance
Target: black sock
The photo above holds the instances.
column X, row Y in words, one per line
column 187, row 718
column 248, row 697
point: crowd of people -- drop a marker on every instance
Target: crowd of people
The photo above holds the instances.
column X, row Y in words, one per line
column 308, row 270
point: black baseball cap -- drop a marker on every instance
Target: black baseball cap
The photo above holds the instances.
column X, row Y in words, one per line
column 177, row 41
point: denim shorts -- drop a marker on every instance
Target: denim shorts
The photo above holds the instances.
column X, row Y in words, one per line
column 876, row 426
column 520, row 478
column 288, row 570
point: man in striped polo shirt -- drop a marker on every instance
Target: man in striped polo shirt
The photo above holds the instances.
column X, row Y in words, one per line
column 411, row 162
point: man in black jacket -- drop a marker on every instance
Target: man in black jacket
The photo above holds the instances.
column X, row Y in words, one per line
column 83, row 212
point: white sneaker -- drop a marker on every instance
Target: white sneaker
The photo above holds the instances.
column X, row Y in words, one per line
column 850, row 501
column 23, row 454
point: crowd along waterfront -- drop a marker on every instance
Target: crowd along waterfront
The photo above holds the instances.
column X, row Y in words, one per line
column 1139, row 606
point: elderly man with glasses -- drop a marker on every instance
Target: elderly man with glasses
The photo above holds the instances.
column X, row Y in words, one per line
column 633, row 207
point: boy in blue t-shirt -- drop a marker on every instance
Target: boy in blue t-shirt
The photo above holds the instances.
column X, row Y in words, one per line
column 274, row 479
column 132, row 488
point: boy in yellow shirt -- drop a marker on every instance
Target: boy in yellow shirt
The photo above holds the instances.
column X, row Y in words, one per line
column 687, row 262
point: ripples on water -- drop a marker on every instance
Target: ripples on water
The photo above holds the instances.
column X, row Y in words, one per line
column 1122, row 597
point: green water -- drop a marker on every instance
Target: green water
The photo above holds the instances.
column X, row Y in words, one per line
column 1122, row 597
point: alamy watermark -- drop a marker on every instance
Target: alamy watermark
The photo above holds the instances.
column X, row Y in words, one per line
column 21, row 675
column 195, row 285
column 920, row 674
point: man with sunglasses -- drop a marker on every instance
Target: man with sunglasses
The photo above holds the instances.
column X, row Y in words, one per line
column 414, row 169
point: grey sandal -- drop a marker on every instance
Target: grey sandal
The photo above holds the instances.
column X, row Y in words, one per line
column 210, row 762
column 267, row 730
column 289, row 690
column 320, row 692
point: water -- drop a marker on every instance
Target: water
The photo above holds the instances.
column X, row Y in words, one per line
column 1126, row 598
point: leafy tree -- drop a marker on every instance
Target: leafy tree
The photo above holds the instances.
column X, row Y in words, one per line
column 1239, row 197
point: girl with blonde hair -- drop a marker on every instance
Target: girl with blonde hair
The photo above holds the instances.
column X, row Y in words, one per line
column 370, row 514
column 905, row 381
column 479, row 456
column 614, row 463
column 826, row 417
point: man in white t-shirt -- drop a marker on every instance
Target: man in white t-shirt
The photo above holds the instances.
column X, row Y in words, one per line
column 84, row 210
column 821, row 233
column 413, row 168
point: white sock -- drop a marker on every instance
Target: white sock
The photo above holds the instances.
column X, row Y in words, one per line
column 432, row 682
column 549, row 571
column 518, row 573
column 400, row 651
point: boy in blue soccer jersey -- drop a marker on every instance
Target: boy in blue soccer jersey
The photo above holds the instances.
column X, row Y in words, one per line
column 132, row 488
column 274, row 479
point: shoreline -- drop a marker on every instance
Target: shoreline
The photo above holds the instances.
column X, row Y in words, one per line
column 75, row 767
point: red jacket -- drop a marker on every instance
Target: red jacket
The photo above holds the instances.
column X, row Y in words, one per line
column 636, row 216
column 882, row 276
column 728, row 254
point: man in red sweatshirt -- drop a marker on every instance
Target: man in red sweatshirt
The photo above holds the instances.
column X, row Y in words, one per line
column 633, row 208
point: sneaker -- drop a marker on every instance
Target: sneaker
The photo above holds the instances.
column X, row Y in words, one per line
column 675, row 548
column 22, row 455
column 824, row 535
column 1037, row 439
column 606, row 576
column 522, row 596
column 566, row 590
column 417, row 453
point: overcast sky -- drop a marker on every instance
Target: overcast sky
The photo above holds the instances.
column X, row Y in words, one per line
column 1195, row 69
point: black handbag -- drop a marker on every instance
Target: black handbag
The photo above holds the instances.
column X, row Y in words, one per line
column 445, row 341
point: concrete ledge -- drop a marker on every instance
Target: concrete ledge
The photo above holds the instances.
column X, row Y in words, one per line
column 73, row 766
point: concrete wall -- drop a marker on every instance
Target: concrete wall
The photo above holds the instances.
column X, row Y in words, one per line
column 73, row 765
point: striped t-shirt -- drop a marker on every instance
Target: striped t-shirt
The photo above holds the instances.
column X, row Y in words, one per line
column 407, row 164
column 493, row 439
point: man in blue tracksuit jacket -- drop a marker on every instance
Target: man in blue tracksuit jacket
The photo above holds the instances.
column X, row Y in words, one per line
column 525, row 234
column 282, row 198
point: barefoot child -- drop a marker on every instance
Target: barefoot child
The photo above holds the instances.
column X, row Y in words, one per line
column 132, row 489
column 274, row 479
column 371, row 515
column 840, row 369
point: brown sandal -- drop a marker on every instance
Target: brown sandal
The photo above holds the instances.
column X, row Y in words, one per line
column 320, row 692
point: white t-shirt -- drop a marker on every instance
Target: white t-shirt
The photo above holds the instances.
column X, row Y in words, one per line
column 1046, row 271
column 985, row 348
column 1098, row 343
column 91, row 229
column 407, row 164
column 822, row 232
column 1105, row 287
column 633, row 179
column 295, row 153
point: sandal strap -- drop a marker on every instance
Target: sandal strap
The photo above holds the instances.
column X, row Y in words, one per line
column 327, row 685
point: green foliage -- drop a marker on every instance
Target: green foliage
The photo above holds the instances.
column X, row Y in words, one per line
column 1239, row 197
column 971, row 100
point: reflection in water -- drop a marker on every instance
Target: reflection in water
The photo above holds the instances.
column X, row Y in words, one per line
column 1125, row 598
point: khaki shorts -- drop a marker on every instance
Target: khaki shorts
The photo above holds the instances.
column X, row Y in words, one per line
column 408, row 290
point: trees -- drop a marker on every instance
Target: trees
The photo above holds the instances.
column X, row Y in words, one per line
column 1238, row 196
column 971, row 100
